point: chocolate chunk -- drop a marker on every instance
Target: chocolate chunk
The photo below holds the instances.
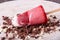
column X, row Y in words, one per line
column 10, row 38
column 4, row 17
column 53, row 16
column 3, row 38
column 36, row 37
column 8, row 20
column 4, row 27
column 4, row 23
column 18, row 14
column 59, row 29
column 8, row 30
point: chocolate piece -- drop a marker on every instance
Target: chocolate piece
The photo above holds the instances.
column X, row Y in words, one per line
column 8, row 20
column 10, row 39
column 4, row 17
column 9, row 30
column 4, row 23
column 36, row 37
column 3, row 38
column 59, row 29
column 4, row 27
column 54, row 17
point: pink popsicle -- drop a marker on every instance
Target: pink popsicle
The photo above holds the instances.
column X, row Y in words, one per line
column 34, row 16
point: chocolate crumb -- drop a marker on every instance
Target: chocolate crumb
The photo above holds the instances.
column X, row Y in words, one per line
column 36, row 37
column 3, row 38
column 4, row 23
column 5, row 17
column 59, row 29
column 31, row 30
column 17, row 14
column 9, row 30
column 4, row 27
column 53, row 16
column 0, row 32
column 10, row 38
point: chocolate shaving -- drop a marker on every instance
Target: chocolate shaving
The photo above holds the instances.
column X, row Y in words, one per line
column 3, row 38
column 31, row 30
column 8, row 20
column 53, row 16
column 4, row 27
column 59, row 29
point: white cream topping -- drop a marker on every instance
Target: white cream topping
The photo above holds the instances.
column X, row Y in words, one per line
column 15, row 21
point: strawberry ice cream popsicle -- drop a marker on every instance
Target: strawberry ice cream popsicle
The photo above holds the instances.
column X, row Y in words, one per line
column 31, row 17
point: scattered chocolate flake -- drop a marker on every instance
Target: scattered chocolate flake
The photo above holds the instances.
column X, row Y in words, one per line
column 31, row 30
column 8, row 20
column 4, row 23
column 36, row 37
column 59, row 29
column 5, row 17
column 4, row 27
column 54, row 17
column 58, row 23
column 17, row 14
column 0, row 32
column 51, row 15
column 9, row 30
column 3, row 38
column 10, row 38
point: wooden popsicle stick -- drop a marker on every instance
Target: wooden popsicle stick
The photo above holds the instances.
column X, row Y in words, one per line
column 53, row 11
